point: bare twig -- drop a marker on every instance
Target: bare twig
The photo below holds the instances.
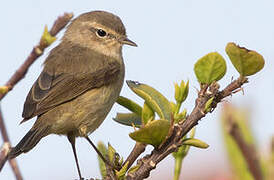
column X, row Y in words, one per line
column 3, row 153
column 248, row 150
column 60, row 23
column 138, row 149
column 172, row 144
column 6, row 149
column 230, row 89
column 36, row 52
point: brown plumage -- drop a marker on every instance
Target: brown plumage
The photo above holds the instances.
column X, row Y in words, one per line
column 81, row 79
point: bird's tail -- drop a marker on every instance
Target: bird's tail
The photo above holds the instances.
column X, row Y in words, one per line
column 28, row 142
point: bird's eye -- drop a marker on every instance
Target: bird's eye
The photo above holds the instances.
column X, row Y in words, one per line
column 101, row 33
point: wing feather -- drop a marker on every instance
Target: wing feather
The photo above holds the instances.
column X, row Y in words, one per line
column 51, row 90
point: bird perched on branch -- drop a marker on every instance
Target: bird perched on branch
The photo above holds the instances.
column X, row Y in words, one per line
column 81, row 79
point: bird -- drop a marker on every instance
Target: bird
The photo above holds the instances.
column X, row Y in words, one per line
column 81, row 79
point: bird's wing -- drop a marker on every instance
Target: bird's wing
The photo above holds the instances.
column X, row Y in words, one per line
column 50, row 91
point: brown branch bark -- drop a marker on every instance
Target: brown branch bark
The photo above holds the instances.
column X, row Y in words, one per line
column 149, row 162
column 229, row 90
column 248, row 150
column 110, row 175
column 138, row 149
column 36, row 52
column 3, row 152
column 5, row 149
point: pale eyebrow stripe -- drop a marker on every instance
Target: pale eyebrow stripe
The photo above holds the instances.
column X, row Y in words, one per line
column 110, row 31
column 108, row 34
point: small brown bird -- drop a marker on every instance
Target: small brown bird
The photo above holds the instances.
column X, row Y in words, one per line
column 81, row 80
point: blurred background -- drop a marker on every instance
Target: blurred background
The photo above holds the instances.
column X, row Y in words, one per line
column 171, row 36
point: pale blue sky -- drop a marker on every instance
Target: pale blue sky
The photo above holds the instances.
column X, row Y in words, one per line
column 171, row 36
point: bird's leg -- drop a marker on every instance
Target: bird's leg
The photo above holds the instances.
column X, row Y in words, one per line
column 106, row 161
column 71, row 139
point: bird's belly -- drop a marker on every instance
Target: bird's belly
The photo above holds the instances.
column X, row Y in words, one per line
column 84, row 114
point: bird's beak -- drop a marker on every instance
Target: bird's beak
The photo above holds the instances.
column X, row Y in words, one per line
column 128, row 42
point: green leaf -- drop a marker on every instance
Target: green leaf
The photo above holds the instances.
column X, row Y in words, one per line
column 128, row 119
column 121, row 174
column 183, row 150
column 47, row 38
column 147, row 114
column 177, row 92
column 181, row 153
column 133, row 169
column 192, row 132
column 211, row 67
column 181, row 91
column 173, row 107
column 208, row 105
column 181, row 116
column 120, row 163
column 103, row 149
column 111, row 153
column 245, row 61
column 153, row 98
column 185, row 90
column 130, row 105
column 153, row 133
column 195, row 142
column 4, row 89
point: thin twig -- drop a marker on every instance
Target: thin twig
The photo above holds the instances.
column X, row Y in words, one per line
column 36, row 52
column 138, row 149
column 7, row 147
column 231, row 88
column 248, row 150
column 3, row 153
column 106, row 161
column 60, row 23
column 172, row 144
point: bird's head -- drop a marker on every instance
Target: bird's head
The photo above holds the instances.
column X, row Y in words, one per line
column 100, row 31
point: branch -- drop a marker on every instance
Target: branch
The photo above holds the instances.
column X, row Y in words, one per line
column 232, row 88
column 5, row 149
column 36, row 52
column 248, row 150
column 138, row 149
column 110, row 175
column 4, row 152
column 172, row 144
